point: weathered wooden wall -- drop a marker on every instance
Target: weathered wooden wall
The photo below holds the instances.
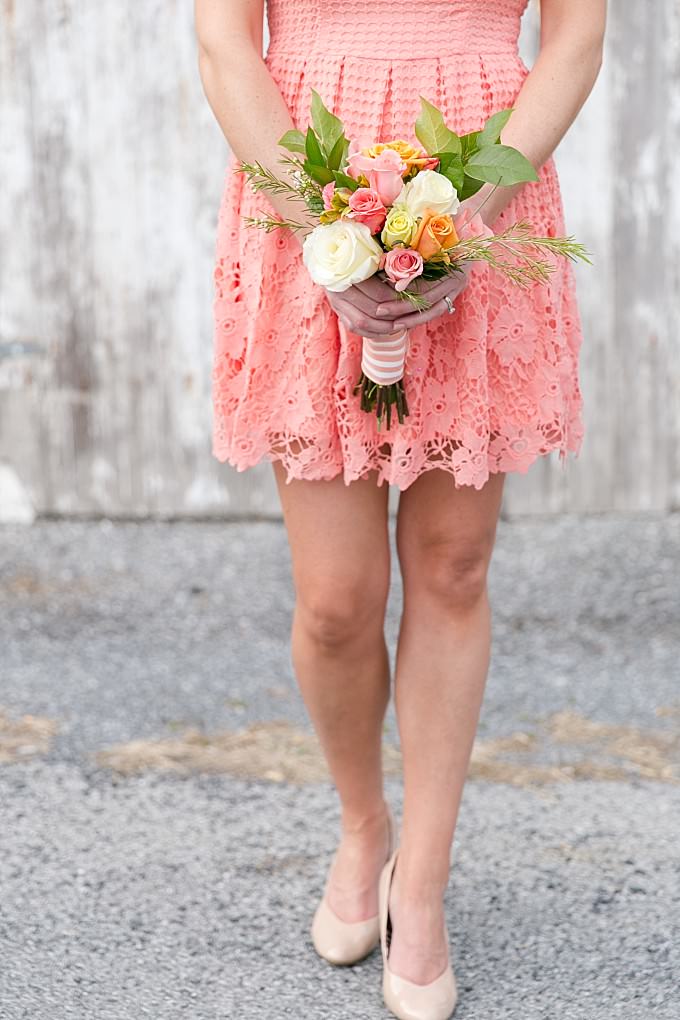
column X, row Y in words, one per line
column 111, row 168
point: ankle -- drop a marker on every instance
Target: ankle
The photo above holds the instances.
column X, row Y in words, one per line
column 419, row 885
column 366, row 822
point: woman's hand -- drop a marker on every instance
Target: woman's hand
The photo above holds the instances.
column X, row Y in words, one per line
column 357, row 307
column 372, row 309
column 435, row 291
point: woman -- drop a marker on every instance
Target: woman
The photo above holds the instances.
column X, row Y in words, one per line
column 491, row 387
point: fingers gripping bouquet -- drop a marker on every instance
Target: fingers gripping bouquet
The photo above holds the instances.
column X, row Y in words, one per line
column 393, row 209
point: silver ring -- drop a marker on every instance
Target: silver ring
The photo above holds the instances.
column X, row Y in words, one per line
column 449, row 304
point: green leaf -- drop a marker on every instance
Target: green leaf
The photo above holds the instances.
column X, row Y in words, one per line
column 491, row 132
column 445, row 160
column 455, row 173
column 432, row 132
column 469, row 144
column 328, row 127
column 336, row 154
column 294, row 141
column 313, row 149
column 320, row 174
column 470, row 188
column 500, row 164
column 345, row 181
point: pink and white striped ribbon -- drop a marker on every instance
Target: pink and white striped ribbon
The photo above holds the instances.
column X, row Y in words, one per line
column 383, row 360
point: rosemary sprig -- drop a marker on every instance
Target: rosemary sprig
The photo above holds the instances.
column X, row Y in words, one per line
column 262, row 179
column 520, row 240
column 525, row 249
column 308, row 189
column 298, row 185
column 269, row 223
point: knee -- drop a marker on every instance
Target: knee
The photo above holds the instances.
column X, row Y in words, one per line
column 342, row 615
column 454, row 576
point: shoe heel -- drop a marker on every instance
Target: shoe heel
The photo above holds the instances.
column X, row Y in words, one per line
column 346, row 942
column 408, row 1000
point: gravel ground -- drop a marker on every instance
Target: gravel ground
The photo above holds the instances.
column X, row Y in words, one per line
column 189, row 895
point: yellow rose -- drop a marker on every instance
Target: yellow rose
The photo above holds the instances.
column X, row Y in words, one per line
column 399, row 227
column 414, row 157
column 374, row 150
column 435, row 234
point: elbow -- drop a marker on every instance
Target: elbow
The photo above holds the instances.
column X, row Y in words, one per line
column 582, row 46
column 211, row 51
column 591, row 47
column 596, row 58
column 584, row 55
column 596, row 50
column 207, row 61
column 588, row 51
column 213, row 58
column 207, row 71
column 220, row 40
column 214, row 55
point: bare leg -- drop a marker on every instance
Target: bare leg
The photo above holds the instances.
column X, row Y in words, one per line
column 340, row 559
column 445, row 539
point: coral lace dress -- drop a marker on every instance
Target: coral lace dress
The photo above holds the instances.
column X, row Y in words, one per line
column 491, row 387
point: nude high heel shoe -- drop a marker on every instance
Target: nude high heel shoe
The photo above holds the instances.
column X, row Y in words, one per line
column 407, row 999
column 346, row 942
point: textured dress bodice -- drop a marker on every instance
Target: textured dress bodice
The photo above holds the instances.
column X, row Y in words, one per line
column 395, row 29
column 372, row 61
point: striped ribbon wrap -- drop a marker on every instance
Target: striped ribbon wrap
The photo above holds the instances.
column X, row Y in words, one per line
column 383, row 360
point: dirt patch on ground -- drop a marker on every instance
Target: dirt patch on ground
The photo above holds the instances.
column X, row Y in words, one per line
column 30, row 585
column 25, row 737
column 277, row 751
column 587, row 750
column 280, row 752
column 653, row 754
column 668, row 711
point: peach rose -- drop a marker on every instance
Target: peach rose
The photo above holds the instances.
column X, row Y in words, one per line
column 365, row 207
column 402, row 265
column 435, row 234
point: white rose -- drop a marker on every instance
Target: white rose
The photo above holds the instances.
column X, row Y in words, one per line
column 341, row 253
column 428, row 190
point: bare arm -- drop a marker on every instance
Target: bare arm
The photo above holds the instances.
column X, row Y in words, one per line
column 242, row 94
column 253, row 115
column 557, row 86
column 572, row 35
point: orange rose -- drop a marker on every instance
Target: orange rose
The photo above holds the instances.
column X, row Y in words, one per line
column 435, row 234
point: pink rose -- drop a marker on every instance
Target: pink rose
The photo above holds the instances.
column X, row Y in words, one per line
column 402, row 265
column 469, row 225
column 327, row 195
column 383, row 172
column 365, row 207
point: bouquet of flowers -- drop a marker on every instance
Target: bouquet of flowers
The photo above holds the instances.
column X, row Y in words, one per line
column 393, row 208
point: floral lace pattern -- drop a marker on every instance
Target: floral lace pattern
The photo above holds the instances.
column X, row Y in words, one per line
column 491, row 387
